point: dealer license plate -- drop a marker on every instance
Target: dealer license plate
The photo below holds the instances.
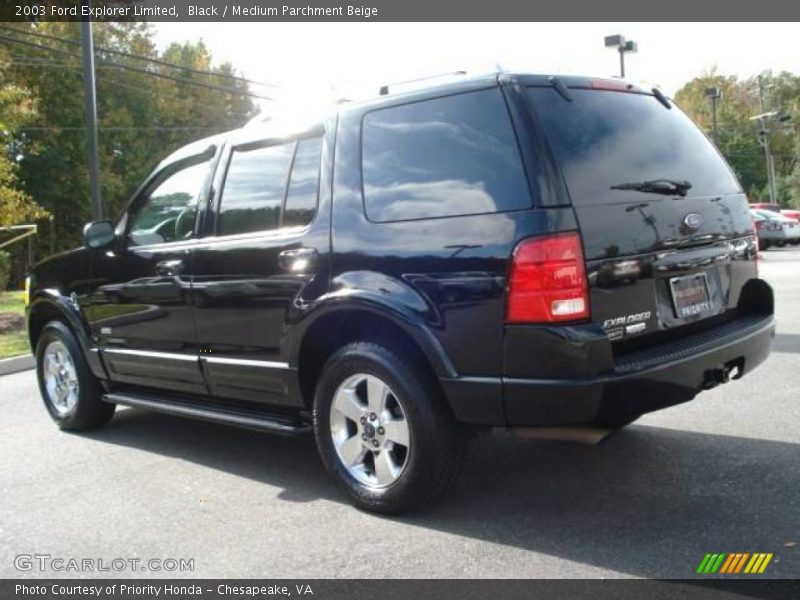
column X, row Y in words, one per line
column 690, row 295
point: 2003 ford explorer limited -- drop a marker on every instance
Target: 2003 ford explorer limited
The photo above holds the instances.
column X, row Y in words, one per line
column 504, row 250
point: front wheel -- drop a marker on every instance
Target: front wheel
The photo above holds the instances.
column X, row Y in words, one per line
column 383, row 430
column 70, row 392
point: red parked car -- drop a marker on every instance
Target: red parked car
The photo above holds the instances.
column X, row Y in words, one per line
column 765, row 206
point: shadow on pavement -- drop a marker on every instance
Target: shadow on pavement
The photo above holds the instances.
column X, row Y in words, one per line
column 646, row 502
column 787, row 342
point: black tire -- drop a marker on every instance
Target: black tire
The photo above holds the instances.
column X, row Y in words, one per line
column 437, row 443
column 89, row 411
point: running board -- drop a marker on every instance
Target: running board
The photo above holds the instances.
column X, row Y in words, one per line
column 239, row 418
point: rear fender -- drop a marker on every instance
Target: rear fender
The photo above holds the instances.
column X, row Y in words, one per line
column 384, row 297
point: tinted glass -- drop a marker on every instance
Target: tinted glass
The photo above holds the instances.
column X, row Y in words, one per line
column 301, row 199
column 170, row 211
column 603, row 139
column 449, row 156
column 254, row 187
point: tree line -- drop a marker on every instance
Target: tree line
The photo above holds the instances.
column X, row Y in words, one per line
column 149, row 103
column 738, row 135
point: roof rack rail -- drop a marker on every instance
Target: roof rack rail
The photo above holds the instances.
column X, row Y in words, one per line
column 384, row 90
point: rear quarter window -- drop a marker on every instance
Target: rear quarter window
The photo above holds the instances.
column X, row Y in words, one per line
column 449, row 156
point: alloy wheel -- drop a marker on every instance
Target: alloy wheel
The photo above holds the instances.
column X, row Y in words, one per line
column 369, row 430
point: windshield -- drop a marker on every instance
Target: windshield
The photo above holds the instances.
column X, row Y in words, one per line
column 615, row 146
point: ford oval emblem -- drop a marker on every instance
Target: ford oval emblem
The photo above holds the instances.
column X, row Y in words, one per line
column 693, row 221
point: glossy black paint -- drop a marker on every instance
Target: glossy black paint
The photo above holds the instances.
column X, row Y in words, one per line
column 224, row 319
column 247, row 291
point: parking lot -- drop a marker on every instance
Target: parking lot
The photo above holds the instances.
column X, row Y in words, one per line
column 717, row 475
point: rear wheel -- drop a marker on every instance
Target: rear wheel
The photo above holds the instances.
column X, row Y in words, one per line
column 70, row 392
column 383, row 431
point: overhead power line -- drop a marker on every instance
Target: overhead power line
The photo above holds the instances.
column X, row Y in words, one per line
column 73, row 70
column 120, row 128
column 140, row 57
column 137, row 69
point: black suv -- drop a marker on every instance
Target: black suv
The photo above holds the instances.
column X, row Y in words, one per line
column 495, row 251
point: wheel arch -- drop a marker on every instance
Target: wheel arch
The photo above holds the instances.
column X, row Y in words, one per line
column 52, row 307
column 336, row 326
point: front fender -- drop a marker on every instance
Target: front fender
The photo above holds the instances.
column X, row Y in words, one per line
column 49, row 304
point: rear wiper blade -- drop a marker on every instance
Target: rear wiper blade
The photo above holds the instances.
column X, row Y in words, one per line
column 667, row 187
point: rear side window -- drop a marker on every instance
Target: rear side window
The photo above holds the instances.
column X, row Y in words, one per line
column 254, row 188
column 449, row 156
column 604, row 139
column 301, row 198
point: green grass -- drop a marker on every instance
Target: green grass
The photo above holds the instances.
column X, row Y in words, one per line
column 13, row 344
column 12, row 302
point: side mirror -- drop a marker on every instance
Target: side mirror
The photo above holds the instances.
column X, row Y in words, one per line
column 98, row 234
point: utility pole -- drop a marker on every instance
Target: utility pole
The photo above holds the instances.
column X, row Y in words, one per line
column 90, row 99
column 764, row 136
column 714, row 94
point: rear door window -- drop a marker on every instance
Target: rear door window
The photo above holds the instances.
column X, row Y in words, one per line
column 604, row 139
column 254, row 188
column 455, row 155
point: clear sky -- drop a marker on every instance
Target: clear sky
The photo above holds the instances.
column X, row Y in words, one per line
column 308, row 60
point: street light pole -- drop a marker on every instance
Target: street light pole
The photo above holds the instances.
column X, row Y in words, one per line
column 90, row 100
column 622, row 46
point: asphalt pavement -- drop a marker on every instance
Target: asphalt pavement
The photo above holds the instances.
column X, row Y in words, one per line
column 720, row 474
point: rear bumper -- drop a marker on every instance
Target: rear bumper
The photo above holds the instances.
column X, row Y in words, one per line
column 573, row 375
column 645, row 381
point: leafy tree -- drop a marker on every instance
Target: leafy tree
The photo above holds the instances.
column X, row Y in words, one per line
column 141, row 117
column 738, row 135
column 16, row 105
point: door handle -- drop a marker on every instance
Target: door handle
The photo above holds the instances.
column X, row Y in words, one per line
column 169, row 268
column 297, row 260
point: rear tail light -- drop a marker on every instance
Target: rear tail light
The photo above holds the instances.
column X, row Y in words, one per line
column 759, row 225
column 547, row 282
